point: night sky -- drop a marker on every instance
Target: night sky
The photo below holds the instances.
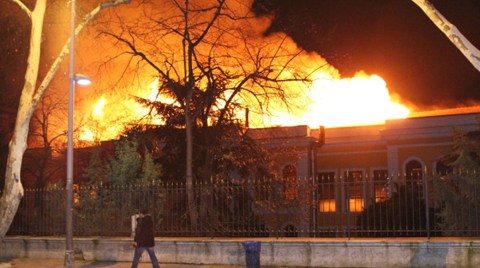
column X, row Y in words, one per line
column 391, row 38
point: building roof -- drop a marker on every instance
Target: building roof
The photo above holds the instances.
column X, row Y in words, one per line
column 441, row 123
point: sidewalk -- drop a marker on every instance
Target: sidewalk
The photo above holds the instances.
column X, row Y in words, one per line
column 58, row 263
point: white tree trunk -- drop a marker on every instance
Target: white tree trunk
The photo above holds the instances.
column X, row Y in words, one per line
column 30, row 96
column 455, row 36
column 13, row 190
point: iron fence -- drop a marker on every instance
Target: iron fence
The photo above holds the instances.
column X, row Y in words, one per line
column 326, row 206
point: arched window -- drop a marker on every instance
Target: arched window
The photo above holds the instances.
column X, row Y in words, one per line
column 414, row 177
column 413, row 171
column 290, row 182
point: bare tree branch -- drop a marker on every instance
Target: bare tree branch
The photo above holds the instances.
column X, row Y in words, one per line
column 23, row 7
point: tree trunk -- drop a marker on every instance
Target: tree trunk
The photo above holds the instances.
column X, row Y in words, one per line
column 189, row 84
column 453, row 34
column 13, row 190
column 192, row 207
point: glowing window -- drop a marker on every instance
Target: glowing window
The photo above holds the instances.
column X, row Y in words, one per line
column 356, row 204
column 326, row 192
column 327, row 205
column 354, row 188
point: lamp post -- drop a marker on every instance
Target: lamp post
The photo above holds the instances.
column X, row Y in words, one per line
column 81, row 80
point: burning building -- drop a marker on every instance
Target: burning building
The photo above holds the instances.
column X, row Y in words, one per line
column 343, row 160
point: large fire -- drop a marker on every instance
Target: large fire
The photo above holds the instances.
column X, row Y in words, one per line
column 360, row 100
column 109, row 117
column 332, row 102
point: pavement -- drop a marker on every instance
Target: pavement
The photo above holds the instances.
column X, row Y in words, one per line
column 58, row 263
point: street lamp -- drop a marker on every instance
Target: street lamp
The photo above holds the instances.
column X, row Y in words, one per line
column 81, row 80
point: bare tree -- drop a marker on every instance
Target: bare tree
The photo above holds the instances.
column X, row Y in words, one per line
column 209, row 50
column 29, row 99
column 46, row 136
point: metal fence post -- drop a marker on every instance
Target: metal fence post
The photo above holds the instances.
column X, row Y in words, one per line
column 425, row 194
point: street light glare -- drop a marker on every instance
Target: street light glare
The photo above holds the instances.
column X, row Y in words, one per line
column 82, row 80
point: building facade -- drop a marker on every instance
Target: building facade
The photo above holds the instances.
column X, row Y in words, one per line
column 354, row 167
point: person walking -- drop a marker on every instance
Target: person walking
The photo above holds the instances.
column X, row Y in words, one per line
column 144, row 239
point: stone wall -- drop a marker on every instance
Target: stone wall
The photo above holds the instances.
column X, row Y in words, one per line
column 274, row 252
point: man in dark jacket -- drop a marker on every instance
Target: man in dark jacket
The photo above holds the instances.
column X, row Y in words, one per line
column 144, row 239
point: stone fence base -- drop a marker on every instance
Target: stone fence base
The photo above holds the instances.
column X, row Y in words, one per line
column 301, row 252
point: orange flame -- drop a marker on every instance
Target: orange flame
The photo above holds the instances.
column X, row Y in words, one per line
column 332, row 102
column 361, row 100
column 109, row 116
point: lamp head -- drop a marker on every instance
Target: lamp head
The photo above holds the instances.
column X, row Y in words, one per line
column 82, row 80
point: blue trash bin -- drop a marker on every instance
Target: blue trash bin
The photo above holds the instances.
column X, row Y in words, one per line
column 252, row 253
